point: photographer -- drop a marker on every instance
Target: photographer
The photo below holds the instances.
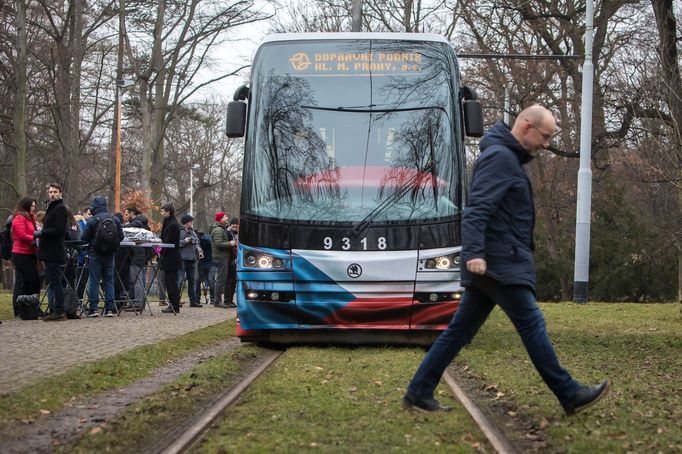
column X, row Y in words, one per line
column 189, row 251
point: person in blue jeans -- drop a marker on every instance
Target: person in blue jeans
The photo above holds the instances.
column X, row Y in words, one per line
column 497, row 250
column 100, row 265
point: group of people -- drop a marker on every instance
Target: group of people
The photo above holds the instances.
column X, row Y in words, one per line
column 35, row 247
column 204, row 262
column 89, row 243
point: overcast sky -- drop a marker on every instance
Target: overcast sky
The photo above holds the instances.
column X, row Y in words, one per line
column 238, row 52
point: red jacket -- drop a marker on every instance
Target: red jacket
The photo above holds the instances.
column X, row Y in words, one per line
column 22, row 234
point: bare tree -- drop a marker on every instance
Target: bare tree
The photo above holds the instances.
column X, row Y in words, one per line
column 180, row 35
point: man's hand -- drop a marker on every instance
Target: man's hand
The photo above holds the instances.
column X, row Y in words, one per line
column 477, row 266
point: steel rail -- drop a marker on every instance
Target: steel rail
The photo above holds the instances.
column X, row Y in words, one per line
column 496, row 438
column 183, row 442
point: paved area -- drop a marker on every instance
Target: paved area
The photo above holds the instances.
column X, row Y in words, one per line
column 31, row 350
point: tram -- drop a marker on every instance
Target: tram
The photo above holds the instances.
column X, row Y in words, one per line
column 353, row 187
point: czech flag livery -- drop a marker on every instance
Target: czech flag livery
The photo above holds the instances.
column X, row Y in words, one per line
column 312, row 289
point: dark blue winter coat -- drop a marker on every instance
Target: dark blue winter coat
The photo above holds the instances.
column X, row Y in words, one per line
column 99, row 213
column 499, row 219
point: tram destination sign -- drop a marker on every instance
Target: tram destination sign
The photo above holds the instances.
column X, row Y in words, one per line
column 356, row 63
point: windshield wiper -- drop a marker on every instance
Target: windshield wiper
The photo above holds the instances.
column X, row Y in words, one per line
column 369, row 109
column 393, row 198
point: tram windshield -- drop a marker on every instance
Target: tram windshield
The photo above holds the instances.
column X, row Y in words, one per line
column 353, row 131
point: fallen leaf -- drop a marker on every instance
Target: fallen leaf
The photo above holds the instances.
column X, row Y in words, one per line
column 353, row 389
column 95, row 430
column 378, row 383
column 45, row 412
column 319, row 368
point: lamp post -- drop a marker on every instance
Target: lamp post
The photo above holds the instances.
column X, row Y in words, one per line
column 121, row 84
column 191, row 187
column 584, row 203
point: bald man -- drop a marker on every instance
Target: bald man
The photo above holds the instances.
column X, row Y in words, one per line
column 497, row 250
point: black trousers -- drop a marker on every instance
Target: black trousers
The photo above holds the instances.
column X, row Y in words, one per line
column 231, row 281
column 27, row 280
column 171, row 282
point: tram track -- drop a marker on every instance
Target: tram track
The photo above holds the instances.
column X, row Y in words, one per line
column 497, row 439
column 202, row 422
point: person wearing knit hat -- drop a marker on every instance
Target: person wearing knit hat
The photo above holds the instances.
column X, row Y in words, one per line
column 220, row 248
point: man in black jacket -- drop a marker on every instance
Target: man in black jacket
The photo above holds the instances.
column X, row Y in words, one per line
column 497, row 250
column 171, row 262
column 51, row 251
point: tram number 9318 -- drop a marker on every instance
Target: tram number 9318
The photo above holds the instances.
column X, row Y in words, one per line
column 346, row 243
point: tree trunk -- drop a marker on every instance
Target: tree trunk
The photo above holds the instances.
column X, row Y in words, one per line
column 672, row 81
column 117, row 107
column 76, row 55
column 158, row 119
column 20, row 186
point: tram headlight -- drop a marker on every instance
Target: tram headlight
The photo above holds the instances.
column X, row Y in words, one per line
column 440, row 263
column 443, row 263
column 264, row 261
column 250, row 260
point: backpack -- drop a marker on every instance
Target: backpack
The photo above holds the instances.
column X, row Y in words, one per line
column 106, row 240
column 71, row 303
column 29, row 307
column 6, row 241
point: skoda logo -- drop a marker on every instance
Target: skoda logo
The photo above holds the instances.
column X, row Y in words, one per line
column 300, row 61
column 354, row 270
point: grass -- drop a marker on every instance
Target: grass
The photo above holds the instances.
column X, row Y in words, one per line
column 334, row 399
column 636, row 346
column 26, row 404
column 340, row 400
column 150, row 421
column 6, row 311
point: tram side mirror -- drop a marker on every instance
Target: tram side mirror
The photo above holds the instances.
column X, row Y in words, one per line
column 236, row 119
column 473, row 113
column 235, row 124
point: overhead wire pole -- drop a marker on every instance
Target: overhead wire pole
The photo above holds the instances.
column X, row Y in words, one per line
column 584, row 202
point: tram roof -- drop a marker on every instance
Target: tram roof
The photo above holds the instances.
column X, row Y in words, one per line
column 278, row 37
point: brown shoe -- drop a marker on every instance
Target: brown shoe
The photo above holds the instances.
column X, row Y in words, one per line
column 54, row 317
